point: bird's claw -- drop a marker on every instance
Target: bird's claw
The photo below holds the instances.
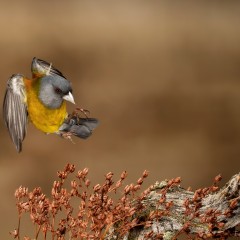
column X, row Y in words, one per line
column 82, row 110
column 67, row 135
column 76, row 115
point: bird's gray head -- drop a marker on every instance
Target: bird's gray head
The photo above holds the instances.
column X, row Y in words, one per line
column 53, row 90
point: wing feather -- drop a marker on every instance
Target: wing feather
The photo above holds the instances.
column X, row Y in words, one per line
column 42, row 68
column 15, row 110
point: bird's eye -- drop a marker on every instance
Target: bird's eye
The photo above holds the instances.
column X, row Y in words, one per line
column 58, row 90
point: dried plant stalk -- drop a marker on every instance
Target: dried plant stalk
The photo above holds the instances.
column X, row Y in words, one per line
column 163, row 211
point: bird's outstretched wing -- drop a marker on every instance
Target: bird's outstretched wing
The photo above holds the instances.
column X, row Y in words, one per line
column 15, row 110
column 41, row 68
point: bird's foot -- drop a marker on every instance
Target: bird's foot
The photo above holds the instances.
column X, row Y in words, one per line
column 78, row 111
column 75, row 115
column 67, row 135
column 84, row 111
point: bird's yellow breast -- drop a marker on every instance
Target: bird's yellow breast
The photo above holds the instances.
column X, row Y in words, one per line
column 45, row 119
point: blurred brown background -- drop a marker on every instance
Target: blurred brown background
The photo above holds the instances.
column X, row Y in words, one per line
column 163, row 78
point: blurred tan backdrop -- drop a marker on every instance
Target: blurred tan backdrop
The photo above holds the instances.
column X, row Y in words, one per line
column 163, row 78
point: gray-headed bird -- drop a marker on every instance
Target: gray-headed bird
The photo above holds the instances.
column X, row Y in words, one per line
column 42, row 100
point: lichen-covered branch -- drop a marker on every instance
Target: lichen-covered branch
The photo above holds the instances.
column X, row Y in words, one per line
column 171, row 210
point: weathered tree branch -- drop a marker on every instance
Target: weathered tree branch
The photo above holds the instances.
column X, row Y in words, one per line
column 171, row 210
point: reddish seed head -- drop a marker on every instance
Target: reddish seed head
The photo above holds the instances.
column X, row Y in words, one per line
column 177, row 180
column 73, row 184
column 186, row 203
column 233, row 203
column 132, row 211
column 208, row 235
column 170, row 183
column 169, row 205
column 56, row 184
column 205, row 190
column 145, row 174
column 200, row 234
column 14, row 233
column 97, row 187
column 109, row 218
column 79, row 174
column 123, row 175
column 62, row 174
column 118, row 184
column 215, row 188
column 136, row 187
column 109, row 176
column 146, row 192
column 21, row 192
column 148, row 224
column 72, row 168
column 123, row 199
column 87, row 183
column 209, row 211
column 69, row 168
column 218, row 178
column 131, row 186
column 127, row 189
column 26, row 238
column 110, row 202
column 73, row 192
column 85, row 171
column 140, row 181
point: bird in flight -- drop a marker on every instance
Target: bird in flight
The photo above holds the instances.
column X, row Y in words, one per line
column 42, row 100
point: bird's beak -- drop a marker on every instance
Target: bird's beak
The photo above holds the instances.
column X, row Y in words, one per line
column 69, row 97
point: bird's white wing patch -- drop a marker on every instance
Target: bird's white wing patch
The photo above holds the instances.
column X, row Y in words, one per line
column 15, row 110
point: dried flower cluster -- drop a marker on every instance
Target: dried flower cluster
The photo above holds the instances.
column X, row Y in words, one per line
column 96, row 214
column 101, row 216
